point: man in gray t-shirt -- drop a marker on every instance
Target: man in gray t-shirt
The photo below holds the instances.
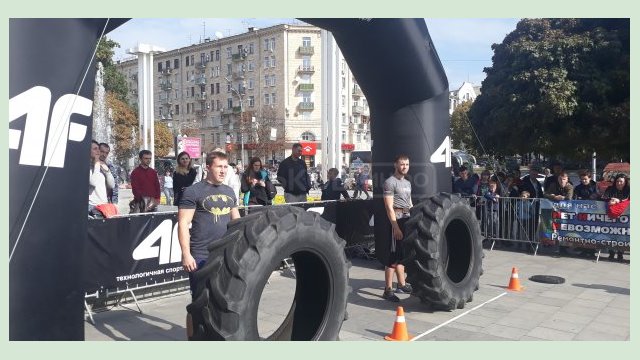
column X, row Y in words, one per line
column 208, row 206
column 397, row 203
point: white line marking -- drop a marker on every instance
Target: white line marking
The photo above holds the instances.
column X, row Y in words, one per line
column 457, row 317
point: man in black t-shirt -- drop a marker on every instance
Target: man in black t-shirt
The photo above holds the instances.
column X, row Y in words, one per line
column 208, row 206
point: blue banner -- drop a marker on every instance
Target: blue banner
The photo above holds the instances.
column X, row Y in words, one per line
column 584, row 224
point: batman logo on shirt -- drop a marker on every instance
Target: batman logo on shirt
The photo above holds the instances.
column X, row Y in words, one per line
column 218, row 205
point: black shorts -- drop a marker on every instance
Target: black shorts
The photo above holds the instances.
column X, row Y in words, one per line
column 396, row 256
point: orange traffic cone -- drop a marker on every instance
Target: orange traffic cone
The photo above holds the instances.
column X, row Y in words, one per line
column 399, row 332
column 514, row 283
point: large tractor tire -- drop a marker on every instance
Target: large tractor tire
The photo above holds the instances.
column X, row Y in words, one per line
column 443, row 249
column 230, row 284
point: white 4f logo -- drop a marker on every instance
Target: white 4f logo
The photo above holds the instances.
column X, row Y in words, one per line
column 442, row 153
column 35, row 103
column 169, row 249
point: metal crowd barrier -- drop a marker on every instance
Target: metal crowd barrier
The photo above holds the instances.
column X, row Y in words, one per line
column 510, row 219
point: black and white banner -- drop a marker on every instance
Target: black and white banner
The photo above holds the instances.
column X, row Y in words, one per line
column 130, row 252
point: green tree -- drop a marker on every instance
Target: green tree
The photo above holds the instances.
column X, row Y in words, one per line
column 163, row 138
column 462, row 135
column 126, row 134
column 558, row 87
column 114, row 81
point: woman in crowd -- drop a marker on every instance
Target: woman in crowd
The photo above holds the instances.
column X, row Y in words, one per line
column 616, row 193
column 256, row 183
column 183, row 177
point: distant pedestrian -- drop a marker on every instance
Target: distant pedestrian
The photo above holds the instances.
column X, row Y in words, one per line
column 294, row 177
column 183, row 176
column 100, row 181
column 144, row 185
column 113, row 192
column 167, row 186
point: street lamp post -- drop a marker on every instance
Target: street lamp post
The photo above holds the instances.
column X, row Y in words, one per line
column 241, row 98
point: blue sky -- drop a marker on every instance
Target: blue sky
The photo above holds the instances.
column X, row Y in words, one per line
column 464, row 45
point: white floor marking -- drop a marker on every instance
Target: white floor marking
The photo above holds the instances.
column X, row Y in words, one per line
column 458, row 317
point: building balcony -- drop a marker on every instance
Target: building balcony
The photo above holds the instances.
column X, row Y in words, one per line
column 357, row 91
column 201, row 96
column 357, row 109
column 226, row 111
column 305, row 50
column 306, row 69
column 237, row 109
column 166, row 86
column 238, row 57
column 305, row 106
column 305, row 87
column 201, row 80
column 201, row 64
column 238, row 75
column 167, row 71
column 201, row 112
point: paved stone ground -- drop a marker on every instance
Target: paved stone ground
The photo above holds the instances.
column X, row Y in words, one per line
column 593, row 304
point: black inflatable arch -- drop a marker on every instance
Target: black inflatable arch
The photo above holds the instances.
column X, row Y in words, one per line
column 394, row 61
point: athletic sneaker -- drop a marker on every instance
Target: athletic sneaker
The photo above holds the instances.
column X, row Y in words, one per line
column 406, row 289
column 389, row 295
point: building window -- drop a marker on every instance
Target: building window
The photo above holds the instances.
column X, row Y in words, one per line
column 358, row 137
column 229, row 69
column 273, row 61
column 343, row 100
column 186, row 59
column 250, row 48
column 252, row 101
column 218, row 139
column 229, row 103
column 273, row 98
column 177, row 110
column 228, row 87
column 266, row 44
column 272, row 43
column 266, row 80
column 306, row 98
column 306, row 41
column 344, row 82
column 217, row 88
column 344, row 136
column 218, row 107
column 250, row 83
column 266, row 62
column 213, row 89
column 159, row 67
column 307, row 136
column 217, row 55
column 266, row 99
column 228, row 53
column 273, row 80
column 192, row 61
column 250, row 65
column 344, row 119
column 176, row 63
column 305, row 115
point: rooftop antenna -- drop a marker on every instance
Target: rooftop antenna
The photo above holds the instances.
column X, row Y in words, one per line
column 204, row 33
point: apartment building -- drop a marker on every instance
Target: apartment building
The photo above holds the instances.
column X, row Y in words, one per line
column 258, row 91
